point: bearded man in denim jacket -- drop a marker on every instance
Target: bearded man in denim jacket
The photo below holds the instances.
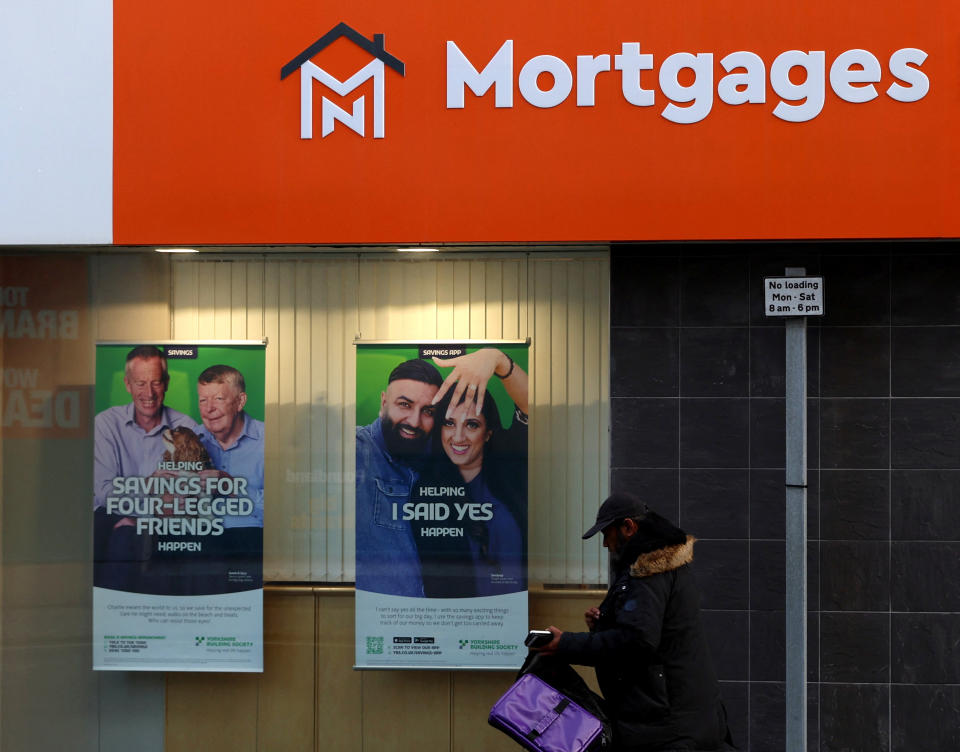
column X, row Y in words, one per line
column 389, row 454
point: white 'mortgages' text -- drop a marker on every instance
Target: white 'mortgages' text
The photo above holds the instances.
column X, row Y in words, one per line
column 852, row 76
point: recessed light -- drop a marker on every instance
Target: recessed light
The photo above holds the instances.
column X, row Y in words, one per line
column 418, row 250
column 177, row 250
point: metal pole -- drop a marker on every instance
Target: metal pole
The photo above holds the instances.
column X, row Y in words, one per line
column 796, row 527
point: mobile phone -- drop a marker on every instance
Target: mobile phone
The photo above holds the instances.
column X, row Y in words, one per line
column 537, row 638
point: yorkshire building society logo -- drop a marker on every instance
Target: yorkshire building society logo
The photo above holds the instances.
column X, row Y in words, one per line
column 329, row 112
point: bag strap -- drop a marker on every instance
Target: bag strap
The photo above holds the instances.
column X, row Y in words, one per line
column 544, row 723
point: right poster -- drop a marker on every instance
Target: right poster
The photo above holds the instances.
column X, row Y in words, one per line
column 441, row 504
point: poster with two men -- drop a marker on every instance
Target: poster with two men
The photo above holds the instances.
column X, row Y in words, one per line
column 441, row 505
column 178, row 506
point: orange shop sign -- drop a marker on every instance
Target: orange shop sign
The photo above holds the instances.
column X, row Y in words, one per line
column 336, row 123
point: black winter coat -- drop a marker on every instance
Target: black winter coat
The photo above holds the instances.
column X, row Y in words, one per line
column 651, row 657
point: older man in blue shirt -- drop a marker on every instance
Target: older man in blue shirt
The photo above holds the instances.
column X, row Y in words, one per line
column 128, row 442
column 235, row 444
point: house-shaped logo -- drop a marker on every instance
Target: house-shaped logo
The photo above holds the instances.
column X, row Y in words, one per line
column 329, row 112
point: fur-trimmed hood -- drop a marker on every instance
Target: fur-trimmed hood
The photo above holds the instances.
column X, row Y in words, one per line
column 663, row 559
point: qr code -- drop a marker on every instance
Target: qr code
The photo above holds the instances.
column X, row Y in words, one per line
column 374, row 646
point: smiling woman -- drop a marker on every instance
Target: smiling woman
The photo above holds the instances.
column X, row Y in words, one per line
column 464, row 435
column 484, row 551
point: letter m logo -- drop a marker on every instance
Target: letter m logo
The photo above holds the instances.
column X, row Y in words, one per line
column 330, row 114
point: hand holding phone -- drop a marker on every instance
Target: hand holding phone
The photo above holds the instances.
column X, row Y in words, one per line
column 591, row 616
column 537, row 638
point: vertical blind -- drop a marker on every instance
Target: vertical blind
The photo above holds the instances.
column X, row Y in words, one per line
column 312, row 309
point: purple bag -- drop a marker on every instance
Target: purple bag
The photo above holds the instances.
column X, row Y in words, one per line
column 542, row 719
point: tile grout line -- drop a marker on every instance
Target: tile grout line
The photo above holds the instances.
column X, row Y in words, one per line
column 890, row 505
column 679, row 329
column 749, row 495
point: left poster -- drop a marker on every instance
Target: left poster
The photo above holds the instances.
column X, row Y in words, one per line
column 178, row 504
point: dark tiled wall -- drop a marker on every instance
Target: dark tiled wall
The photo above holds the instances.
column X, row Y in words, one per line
column 697, row 415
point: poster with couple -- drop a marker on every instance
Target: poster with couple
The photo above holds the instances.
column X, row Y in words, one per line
column 441, row 504
column 178, row 506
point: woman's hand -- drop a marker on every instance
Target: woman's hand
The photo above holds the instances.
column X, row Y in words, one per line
column 470, row 375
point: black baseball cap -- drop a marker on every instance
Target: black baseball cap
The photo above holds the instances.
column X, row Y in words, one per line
column 617, row 506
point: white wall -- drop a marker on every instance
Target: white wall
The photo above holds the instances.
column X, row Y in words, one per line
column 56, row 121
